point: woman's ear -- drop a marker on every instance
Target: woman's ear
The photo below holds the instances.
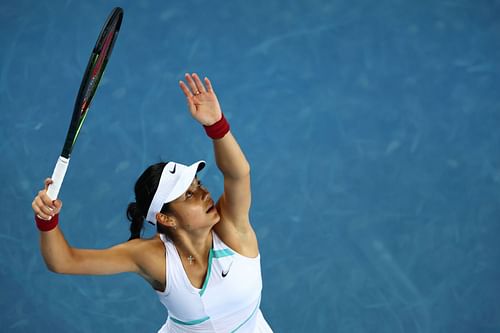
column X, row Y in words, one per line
column 166, row 220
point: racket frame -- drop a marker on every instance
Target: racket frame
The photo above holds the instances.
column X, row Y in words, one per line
column 90, row 81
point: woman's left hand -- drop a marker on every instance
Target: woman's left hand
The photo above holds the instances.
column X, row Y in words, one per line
column 202, row 102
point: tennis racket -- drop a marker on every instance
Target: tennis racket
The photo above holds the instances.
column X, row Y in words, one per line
column 93, row 74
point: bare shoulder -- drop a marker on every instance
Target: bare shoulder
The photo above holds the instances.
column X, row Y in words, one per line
column 242, row 240
column 138, row 244
column 149, row 249
column 150, row 255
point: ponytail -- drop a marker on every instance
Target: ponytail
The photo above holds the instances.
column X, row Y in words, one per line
column 137, row 220
column 144, row 189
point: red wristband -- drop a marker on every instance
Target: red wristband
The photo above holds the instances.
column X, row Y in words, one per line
column 44, row 225
column 219, row 129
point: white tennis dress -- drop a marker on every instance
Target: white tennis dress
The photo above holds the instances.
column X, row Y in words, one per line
column 228, row 301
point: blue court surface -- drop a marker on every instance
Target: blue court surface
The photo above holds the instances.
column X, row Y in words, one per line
column 372, row 128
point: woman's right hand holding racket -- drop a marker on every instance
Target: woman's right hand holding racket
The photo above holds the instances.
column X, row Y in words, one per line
column 43, row 206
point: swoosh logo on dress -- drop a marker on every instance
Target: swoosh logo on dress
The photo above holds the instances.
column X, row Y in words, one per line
column 173, row 171
column 224, row 273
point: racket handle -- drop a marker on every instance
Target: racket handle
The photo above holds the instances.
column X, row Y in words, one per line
column 58, row 177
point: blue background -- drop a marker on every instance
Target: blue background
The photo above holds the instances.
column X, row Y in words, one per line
column 372, row 128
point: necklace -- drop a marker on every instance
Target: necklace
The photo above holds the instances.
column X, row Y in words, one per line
column 190, row 259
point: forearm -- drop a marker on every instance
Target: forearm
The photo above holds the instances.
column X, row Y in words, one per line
column 55, row 250
column 230, row 158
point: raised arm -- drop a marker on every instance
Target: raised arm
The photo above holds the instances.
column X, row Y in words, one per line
column 234, row 204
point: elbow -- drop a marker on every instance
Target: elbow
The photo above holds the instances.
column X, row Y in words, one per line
column 246, row 170
column 61, row 266
column 55, row 267
column 236, row 170
column 243, row 172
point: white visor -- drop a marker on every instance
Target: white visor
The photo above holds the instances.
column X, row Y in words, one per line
column 175, row 180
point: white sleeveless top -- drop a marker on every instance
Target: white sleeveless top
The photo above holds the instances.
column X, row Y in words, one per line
column 228, row 301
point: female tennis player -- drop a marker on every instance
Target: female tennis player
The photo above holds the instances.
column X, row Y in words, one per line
column 204, row 261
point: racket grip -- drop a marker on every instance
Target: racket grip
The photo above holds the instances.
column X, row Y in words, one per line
column 58, row 177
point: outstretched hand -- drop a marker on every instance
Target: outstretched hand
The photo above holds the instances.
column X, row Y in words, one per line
column 201, row 99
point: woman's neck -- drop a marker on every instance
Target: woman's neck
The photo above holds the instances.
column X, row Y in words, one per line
column 194, row 248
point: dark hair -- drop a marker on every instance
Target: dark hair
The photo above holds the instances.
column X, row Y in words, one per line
column 144, row 189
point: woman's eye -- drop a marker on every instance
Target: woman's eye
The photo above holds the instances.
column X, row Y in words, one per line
column 189, row 194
